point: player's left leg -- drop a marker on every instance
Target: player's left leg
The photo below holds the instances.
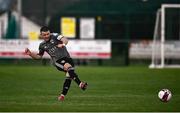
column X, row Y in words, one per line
column 68, row 67
column 66, row 86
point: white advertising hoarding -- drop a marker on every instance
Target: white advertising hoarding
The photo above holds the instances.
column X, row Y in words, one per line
column 143, row 49
column 90, row 49
column 86, row 49
column 13, row 48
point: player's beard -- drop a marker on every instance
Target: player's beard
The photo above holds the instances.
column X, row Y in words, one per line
column 47, row 39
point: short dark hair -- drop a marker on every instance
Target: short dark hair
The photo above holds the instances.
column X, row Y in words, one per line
column 44, row 29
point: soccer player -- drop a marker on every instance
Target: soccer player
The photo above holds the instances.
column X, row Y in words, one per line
column 55, row 45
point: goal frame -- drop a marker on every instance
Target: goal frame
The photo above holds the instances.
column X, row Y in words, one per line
column 161, row 12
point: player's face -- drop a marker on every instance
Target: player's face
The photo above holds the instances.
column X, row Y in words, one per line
column 45, row 35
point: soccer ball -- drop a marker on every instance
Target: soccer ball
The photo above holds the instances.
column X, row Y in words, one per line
column 165, row 95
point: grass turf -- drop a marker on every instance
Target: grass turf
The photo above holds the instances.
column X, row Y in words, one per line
column 35, row 88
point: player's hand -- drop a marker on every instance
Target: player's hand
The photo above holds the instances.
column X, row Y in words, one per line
column 27, row 51
column 60, row 45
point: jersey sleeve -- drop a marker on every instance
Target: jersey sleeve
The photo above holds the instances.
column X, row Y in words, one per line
column 41, row 50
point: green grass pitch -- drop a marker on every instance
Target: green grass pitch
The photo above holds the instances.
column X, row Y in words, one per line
column 111, row 89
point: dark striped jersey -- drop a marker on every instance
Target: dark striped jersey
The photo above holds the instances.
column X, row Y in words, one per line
column 51, row 48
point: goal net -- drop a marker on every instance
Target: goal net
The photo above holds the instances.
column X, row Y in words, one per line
column 166, row 40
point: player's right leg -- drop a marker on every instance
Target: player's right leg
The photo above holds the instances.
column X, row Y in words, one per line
column 70, row 70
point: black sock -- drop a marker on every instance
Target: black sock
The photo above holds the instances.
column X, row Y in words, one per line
column 74, row 76
column 66, row 85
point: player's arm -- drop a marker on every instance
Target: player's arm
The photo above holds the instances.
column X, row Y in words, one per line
column 32, row 54
column 63, row 40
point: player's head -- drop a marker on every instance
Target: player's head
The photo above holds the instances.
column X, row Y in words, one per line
column 45, row 33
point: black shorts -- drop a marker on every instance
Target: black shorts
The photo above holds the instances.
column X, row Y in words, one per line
column 60, row 63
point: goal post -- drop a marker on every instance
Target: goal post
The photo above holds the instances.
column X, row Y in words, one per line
column 163, row 45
